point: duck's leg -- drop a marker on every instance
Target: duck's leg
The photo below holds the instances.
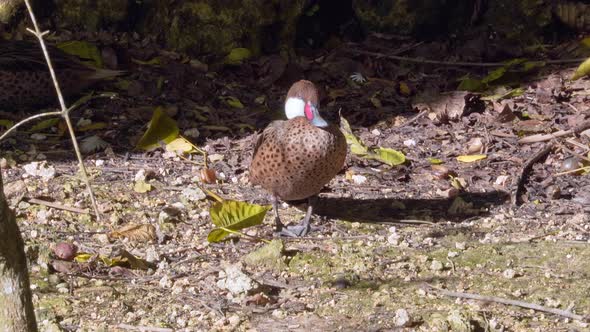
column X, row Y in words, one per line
column 304, row 227
column 275, row 206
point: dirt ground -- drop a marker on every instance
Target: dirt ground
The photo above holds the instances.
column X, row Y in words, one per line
column 393, row 248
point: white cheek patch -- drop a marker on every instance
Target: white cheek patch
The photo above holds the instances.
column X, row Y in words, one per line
column 294, row 107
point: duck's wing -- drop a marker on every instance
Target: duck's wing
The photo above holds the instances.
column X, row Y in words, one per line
column 270, row 131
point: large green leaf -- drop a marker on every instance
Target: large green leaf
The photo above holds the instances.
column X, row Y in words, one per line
column 162, row 129
column 232, row 215
column 356, row 146
column 583, row 70
column 389, row 156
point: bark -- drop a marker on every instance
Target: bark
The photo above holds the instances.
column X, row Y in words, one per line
column 16, row 306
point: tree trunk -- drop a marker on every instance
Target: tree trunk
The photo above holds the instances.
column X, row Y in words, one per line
column 16, row 306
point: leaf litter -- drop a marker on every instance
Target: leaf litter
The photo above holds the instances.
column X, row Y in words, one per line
column 364, row 268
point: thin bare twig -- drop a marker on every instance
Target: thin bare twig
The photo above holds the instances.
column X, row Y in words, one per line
column 526, row 168
column 64, row 109
column 522, row 304
column 453, row 63
column 20, row 123
column 144, row 328
column 57, row 206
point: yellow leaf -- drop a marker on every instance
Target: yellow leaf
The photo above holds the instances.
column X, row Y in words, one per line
column 404, row 89
column 142, row 187
column 82, row 257
column 93, row 126
column 234, row 102
column 389, row 156
column 237, row 56
column 83, row 50
column 231, row 215
column 471, row 158
column 435, row 161
column 356, row 146
column 161, row 129
column 180, row 145
column 583, row 70
column 151, row 62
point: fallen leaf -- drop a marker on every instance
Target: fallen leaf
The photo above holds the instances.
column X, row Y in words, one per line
column 161, row 128
column 93, row 126
column 389, row 156
column 237, row 55
column 582, row 70
column 135, row 233
column 233, row 102
column 142, row 187
column 471, row 158
column 232, row 215
column 180, row 145
column 356, row 147
column 45, row 124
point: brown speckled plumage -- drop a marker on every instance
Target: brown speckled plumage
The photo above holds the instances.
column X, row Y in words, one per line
column 25, row 80
column 294, row 159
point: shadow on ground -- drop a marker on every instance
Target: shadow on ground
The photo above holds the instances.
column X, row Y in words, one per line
column 381, row 210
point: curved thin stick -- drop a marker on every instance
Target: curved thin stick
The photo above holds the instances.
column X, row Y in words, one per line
column 20, row 123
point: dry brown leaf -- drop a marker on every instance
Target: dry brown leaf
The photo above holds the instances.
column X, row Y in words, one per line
column 135, row 233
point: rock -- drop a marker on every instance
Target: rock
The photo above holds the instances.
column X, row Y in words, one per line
column 235, row 281
column 402, row 318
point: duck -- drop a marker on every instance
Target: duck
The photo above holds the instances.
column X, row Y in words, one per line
column 294, row 159
column 25, row 81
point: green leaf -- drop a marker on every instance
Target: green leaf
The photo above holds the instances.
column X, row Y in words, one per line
column 389, row 156
column 531, row 65
column 234, row 216
column 234, row 102
column 161, row 129
column 237, row 56
column 356, row 146
column 583, row 70
column 6, row 123
column 435, row 161
column 494, row 75
column 84, row 50
column 45, row 124
column 470, row 84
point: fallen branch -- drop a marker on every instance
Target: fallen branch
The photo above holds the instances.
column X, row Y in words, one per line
column 547, row 137
column 522, row 304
